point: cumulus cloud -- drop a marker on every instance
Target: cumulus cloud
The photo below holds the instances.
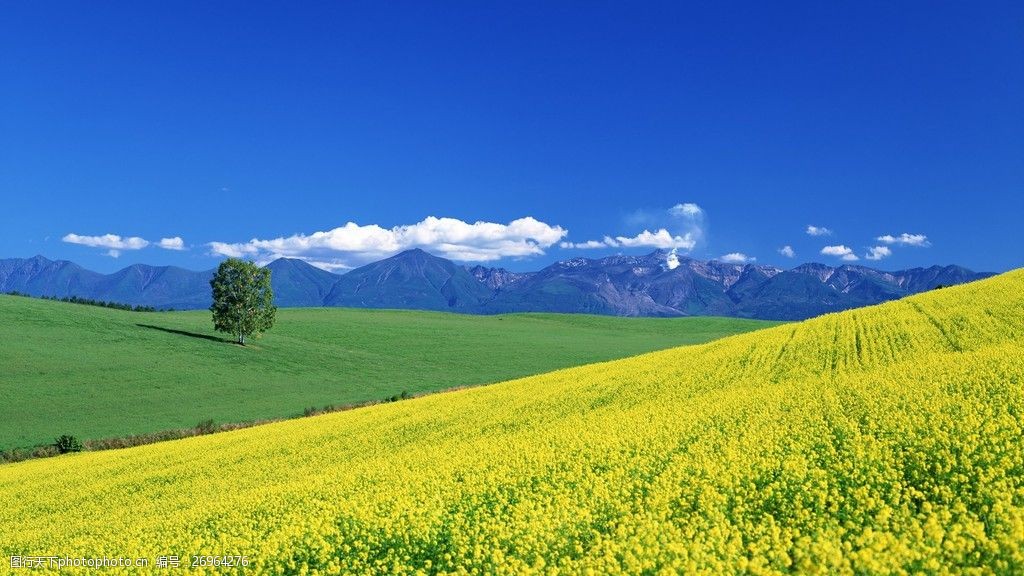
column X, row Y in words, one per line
column 112, row 242
column 233, row 250
column 686, row 210
column 588, row 245
column 680, row 227
column 672, row 260
column 174, row 243
column 661, row 238
column 329, row 265
column 878, row 252
column 818, row 231
column 919, row 240
column 687, row 220
column 737, row 258
column 840, row 251
column 787, row 251
column 447, row 237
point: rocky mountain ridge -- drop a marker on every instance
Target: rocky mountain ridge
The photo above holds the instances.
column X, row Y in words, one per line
column 655, row 284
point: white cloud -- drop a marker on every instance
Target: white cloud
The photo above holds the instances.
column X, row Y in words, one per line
column 328, row 265
column 905, row 239
column 686, row 209
column 787, row 251
column 114, row 243
column 737, row 258
column 840, row 251
column 447, row 237
column 878, row 252
column 588, row 245
column 175, row 243
column 680, row 227
column 672, row 260
column 234, row 250
column 661, row 239
column 818, row 231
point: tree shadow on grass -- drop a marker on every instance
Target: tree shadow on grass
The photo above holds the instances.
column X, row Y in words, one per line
column 184, row 333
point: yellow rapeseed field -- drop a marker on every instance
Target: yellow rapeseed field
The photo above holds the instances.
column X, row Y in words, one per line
column 882, row 440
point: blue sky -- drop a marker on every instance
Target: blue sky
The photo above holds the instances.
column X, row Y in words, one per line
column 565, row 129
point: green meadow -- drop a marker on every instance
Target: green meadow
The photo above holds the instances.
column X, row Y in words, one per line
column 97, row 373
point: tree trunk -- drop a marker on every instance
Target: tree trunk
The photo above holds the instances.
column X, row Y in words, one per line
column 241, row 339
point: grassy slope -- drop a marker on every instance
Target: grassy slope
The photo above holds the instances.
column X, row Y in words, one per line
column 94, row 372
column 880, row 440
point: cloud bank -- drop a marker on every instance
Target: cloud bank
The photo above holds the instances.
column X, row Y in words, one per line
column 661, row 239
column 107, row 241
column 112, row 242
column 353, row 244
column 682, row 227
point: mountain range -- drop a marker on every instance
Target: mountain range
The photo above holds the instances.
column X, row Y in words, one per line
column 656, row 284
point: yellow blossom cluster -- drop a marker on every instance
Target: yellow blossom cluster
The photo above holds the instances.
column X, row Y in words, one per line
column 884, row 440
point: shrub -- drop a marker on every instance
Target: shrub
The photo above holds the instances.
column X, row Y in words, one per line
column 67, row 443
column 206, row 427
column 15, row 455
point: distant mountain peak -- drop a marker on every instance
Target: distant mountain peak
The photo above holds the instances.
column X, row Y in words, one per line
column 415, row 253
column 497, row 278
column 411, row 279
column 637, row 285
column 285, row 261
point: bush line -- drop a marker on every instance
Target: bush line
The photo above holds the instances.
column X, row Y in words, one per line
column 66, row 443
column 91, row 302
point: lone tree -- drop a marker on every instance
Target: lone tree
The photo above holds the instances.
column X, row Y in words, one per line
column 243, row 303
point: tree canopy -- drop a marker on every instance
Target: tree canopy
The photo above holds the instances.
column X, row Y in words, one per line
column 243, row 302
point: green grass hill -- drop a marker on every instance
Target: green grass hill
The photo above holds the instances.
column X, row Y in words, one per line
column 95, row 373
